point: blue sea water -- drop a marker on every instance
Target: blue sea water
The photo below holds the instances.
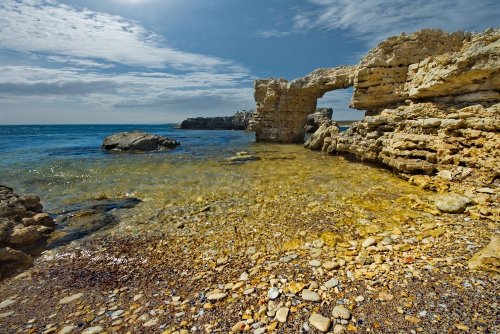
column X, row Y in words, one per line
column 34, row 156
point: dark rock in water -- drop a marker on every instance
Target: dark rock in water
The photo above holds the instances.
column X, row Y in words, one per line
column 24, row 229
column 238, row 121
column 82, row 219
column 138, row 141
column 315, row 120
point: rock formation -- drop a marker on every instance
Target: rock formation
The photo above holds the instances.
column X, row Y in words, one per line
column 239, row 121
column 282, row 106
column 138, row 141
column 24, row 229
column 314, row 121
column 432, row 110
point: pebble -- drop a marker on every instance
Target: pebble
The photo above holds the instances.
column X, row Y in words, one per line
column 137, row 297
column 282, row 314
column 6, row 303
column 332, row 283
column 320, row 322
column 93, row 330
column 359, row 299
column 341, row 312
column 370, row 241
column 315, row 263
column 273, row 293
column 67, row 329
column 310, row 296
column 117, row 314
column 72, row 298
column 217, row 296
column 338, row 329
column 151, row 322
column 330, row 265
column 261, row 330
column 6, row 314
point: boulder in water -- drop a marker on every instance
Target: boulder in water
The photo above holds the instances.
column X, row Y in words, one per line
column 138, row 141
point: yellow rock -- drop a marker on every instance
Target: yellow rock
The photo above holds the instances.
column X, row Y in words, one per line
column 488, row 258
column 296, row 287
column 330, row 239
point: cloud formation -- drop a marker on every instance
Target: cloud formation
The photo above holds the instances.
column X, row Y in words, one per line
column 45, row 26
column 375, row 20
column 134, row 89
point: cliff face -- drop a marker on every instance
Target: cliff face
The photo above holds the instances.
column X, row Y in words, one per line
column 432, row 108
column 239, row 121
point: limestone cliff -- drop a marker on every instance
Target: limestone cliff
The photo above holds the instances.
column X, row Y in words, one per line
column 432, row 102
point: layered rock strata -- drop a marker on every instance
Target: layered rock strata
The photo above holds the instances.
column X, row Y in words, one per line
column 239, row 121
column 24, row 229
column 432, row 110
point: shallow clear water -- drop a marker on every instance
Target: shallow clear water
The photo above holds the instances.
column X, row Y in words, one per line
column 61, row 162
column 288, row 188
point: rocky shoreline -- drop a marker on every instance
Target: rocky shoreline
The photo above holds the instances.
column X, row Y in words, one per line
column 263, row 262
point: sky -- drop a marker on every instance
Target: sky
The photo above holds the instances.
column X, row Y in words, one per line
column 161, row 61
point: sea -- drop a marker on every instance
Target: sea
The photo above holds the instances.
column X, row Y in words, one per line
column 65, row 165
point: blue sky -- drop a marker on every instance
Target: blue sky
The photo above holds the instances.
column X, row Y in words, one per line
column 158, row 61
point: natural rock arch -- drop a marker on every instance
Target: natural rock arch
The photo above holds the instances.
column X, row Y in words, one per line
column 282, row 106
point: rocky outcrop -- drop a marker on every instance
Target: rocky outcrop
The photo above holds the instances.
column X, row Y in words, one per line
column 314, row 121
column 239, row 121
column 432, row 102
column 138, row 141
column 324, row 138
column 488, row 258
column 24, row 229
column 282, row 106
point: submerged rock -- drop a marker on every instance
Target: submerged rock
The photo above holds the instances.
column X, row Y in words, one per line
column 138, row 141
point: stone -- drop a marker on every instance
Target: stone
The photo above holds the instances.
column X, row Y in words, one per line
column 39, row 219
column 338, row 329
column 24, row 236
column 330, row 265
column 452, row 203
column 315, row 263
column 316, row 119
column 370, row 241
column 310, row 296
column 7, row 303
column 273, row 293
column 243, row 158
column 70, row 299
column 68, row 329
column 331, row 283
column 7, row 314
column 217, row 296
column 137, row 141
column 320, row 322
column 340, row 312
column 93, row 330
column 239, row 121
column 282, row 314
column 488, row 258
column 151, row 323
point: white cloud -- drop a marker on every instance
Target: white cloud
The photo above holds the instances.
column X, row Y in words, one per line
column 375, row 20
column 45, row 26
column 126, row 90
column 272, row 33
column 81, row 62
